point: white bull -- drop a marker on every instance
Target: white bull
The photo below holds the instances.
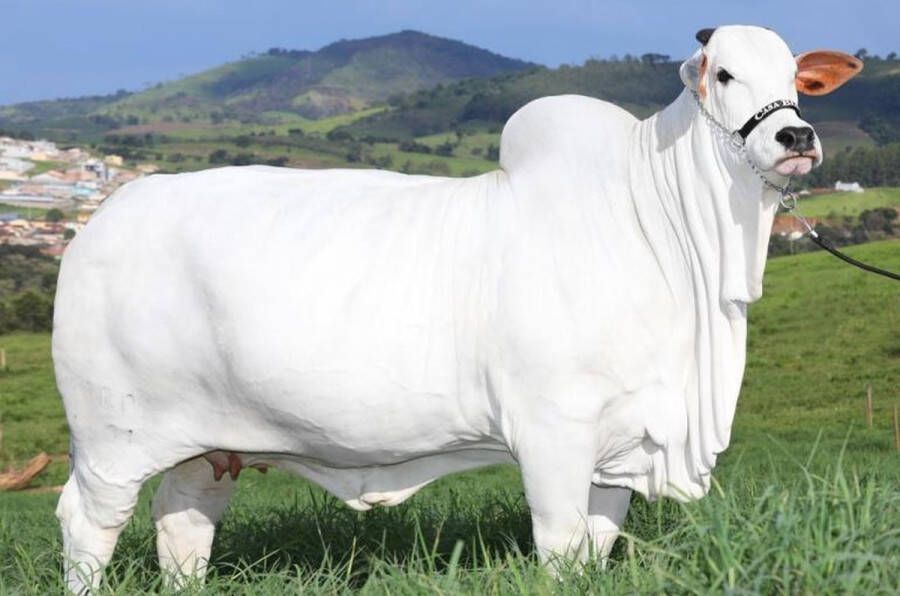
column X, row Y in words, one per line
column 580, row 312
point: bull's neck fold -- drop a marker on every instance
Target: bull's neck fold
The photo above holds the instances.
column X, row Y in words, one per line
column 706, row 217
column 712, row 198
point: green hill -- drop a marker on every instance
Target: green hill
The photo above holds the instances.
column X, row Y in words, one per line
column 60, row 119
column 415, row 103
column 864, row 111
column 342, row 77
column 426, row 85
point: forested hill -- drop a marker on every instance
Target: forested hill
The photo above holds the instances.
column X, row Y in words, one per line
column 341, row 77
column 869, row 103
column 406, row 85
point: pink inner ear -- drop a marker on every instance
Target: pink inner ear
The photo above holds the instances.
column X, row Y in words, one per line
column 701, row 78
column 822, row 71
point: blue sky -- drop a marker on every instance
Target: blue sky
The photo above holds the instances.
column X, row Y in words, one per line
column 67, row 48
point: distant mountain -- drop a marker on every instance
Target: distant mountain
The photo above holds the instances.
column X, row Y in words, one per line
column 423, row 85
column 341, row 77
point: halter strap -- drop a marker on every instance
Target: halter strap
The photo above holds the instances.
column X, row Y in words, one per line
column 765, row 112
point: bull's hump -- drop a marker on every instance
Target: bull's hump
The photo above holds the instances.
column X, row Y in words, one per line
column 565, row 131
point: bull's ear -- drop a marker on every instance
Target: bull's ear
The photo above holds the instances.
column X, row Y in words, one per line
column 703, row 35
column 823, row 71
column 693, row 72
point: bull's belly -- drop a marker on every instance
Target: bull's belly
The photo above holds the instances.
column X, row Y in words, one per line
column 360, row 434
column 346, row 417
column 363, row 487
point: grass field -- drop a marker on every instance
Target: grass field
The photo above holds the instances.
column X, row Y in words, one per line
column 41, row 167
column 840, row 204
column 805, row 499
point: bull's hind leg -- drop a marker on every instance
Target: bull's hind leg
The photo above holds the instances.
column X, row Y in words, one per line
column 92, row 512
column 186, row 508
column 607, row 510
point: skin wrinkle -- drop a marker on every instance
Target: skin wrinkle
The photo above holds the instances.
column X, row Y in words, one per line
column 704, row 286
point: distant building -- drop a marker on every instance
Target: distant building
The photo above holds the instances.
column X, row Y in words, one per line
column 790, row 227
column 10, row 175
column 37, row 150
column 97, row 168
column 848, row 186
column 15, row 164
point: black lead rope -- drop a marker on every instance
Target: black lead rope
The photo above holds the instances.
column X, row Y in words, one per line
column 789, row 202
column 827, row 245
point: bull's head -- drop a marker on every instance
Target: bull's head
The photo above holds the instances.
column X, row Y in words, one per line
column 742, row 74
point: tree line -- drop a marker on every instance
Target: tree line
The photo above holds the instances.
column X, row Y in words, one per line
column 874, row 166
column 27, row 288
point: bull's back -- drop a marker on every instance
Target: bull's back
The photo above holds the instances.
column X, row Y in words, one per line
column 328, row 302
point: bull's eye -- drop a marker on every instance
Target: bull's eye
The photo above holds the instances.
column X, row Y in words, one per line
column 723, row 76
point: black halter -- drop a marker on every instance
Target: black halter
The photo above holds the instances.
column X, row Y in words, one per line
column 768, row 110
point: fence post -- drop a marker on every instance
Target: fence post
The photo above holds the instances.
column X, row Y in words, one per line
column 896, row 430
column 869, row 405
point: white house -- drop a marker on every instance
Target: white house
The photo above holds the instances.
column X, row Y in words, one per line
column 848, row 186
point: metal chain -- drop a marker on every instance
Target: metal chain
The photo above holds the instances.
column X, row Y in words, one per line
column 735, row 142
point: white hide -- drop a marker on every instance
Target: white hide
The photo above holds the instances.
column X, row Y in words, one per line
column 580, row 311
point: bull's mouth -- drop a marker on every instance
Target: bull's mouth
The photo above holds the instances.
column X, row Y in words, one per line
column 796, row 164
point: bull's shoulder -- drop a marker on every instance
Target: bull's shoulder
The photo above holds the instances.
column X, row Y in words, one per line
column 564, row 129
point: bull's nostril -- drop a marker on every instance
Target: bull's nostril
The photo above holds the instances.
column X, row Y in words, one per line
column 796, row 138
column 810, row 135
column 786, row 137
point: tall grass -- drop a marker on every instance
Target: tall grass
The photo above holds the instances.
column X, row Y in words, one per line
column 826, row 531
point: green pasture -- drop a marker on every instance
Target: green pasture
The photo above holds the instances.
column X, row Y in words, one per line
column 191, row 156
column 805, row 501
column 283, row 122
column 459, row 164
column 850, row 204
column 187, row 154
column 41, row 167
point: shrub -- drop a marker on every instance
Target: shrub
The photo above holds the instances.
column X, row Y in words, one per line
column 32, row 311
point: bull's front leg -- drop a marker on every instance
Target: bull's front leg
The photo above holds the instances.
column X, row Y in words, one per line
column 557, row 463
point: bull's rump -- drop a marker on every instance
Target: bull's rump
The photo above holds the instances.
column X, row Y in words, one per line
column 331, row 314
